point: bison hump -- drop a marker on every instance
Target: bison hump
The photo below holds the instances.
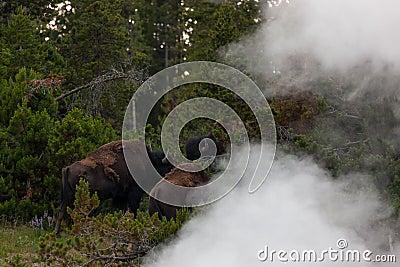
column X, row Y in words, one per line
column 187, row 179
column 108, row 154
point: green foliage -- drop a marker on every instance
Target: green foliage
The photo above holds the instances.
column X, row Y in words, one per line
column 24, row 161
column 35, row 145
column 76, row 135
column 217, row 25
column 136, row 17
column 39, row 10
column 25, row 209
column 100, row 36
column 204, row 126
column 210, row 27
column 21, row 45
column 28, row 110
column 15, row 91
column 394, row 191
column 111, row 239
column 297, row 110
column 24, row 144
column 331, row 148
column 11, row 94
column 96, row 39
column 162, row 31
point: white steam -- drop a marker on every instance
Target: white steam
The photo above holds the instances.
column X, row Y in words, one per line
column 338, row 33
column 307, row 39
column 298, row 208
column 346, row 51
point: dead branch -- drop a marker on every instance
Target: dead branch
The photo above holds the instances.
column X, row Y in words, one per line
column 349, row 144
column 333, row 110
column 284, row 133
column 110, row 76
column 126, row 257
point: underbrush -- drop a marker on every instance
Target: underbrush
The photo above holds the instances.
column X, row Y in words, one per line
column 112, row 239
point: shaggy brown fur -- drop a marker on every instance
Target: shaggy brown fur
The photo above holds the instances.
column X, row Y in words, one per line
column 187, row 179
column 177, row 177
column 107, row 173
column 107, row 155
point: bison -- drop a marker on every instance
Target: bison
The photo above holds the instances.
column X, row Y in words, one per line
column 177, row 177
column 193, row 148
column 107, row 173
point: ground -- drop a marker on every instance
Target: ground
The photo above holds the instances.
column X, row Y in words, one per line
column 17, row 242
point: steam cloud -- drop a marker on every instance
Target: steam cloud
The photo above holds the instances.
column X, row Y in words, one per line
column 299, row 207
column 356, row 39
column 339, row 33
column 351, row 45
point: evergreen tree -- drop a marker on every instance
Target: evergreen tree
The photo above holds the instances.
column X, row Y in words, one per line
column 96, row 39
column 139, row 52
column 21, row 45
column 211, row 27
column 41, row 10
column 35, row 145
column 217, row 25
column 163, row 28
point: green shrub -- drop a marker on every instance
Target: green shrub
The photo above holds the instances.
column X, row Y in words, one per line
column 35, row 144
column 110, row 239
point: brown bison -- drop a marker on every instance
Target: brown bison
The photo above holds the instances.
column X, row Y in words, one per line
column 177, row 177
column 106, row 171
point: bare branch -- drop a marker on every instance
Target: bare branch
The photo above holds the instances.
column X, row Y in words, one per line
column 349, row 144
column 333, row 110
column 126, row 257
column 110, row 76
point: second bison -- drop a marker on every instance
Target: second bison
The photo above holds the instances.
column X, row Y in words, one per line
column 177, row 177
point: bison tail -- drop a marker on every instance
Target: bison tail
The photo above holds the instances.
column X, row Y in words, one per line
column 64, row 185
column 64, row 198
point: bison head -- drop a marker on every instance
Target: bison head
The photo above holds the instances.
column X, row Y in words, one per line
column 194, row 146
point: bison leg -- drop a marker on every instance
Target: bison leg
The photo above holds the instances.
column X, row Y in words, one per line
column 153, row 208
column 61, row 212
column 163, row 210
column 134, row 198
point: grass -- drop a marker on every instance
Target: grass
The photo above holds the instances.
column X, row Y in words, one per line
column 19, row 244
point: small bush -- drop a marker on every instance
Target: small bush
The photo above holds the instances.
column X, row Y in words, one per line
column 106, row 240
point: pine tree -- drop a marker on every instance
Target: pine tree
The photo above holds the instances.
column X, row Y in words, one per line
column 21, row 45
column 211, row 27
column 217, row 25
column 163, row 29
column 41, row 10
column 96, row 39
